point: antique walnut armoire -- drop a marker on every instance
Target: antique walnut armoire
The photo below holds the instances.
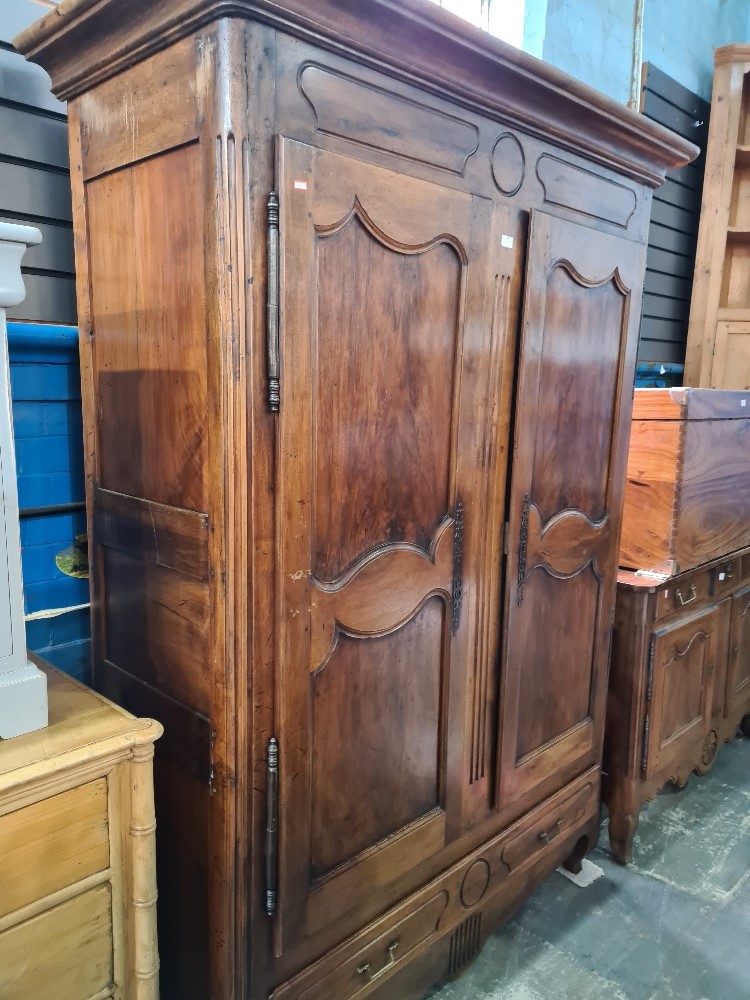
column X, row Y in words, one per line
column 359, row 290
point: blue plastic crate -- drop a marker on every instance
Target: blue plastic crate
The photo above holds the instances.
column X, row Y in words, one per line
column 48, row 432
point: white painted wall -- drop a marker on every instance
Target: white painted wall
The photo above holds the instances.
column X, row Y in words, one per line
column 592, row 39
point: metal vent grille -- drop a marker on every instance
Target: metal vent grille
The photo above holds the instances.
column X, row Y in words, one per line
column 464, row 943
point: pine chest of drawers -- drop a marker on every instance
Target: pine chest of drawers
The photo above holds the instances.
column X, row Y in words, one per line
column 77, row 882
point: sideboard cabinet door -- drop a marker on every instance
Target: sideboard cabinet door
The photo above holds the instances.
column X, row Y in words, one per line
column 738, row 679
column 679, row 686
column 578, row 339
column 383, row 286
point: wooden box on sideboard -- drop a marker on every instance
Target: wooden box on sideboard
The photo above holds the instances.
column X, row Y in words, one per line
column 687, row 498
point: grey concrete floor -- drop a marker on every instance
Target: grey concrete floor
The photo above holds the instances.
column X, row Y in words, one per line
column 674, row 925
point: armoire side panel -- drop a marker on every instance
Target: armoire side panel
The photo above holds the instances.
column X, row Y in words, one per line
column 151, row 491
column 148, row 315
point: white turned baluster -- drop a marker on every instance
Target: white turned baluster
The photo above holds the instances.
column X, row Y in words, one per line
column 23, row 687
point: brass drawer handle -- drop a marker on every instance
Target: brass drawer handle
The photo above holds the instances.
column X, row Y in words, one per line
column 547, row 838
column 693, row 595
column 364, row 970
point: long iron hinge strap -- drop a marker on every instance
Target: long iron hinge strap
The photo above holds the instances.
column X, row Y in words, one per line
column 272, row 322
column 650, row 672
column 523, row 543
column 646, row 733
column 272, row 825
column 458, row 565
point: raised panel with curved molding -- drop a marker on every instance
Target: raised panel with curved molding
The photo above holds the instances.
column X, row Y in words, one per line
column 575, row 369
column 679, row 691
column 383, row 294
column 738, row 677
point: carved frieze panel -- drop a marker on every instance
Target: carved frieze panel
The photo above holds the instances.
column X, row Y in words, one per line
column 353, row 109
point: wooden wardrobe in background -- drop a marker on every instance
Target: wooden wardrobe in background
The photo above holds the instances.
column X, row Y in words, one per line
column 359, row 291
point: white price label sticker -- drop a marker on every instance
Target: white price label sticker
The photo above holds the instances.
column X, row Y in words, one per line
column 506, row 241
column 300, row 185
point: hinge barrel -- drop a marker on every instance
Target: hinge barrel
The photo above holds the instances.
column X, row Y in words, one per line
column 272, row 825
column 458, row 565
column 273, row 304
column 646, row 734
column 522, row 546
column 650, row 672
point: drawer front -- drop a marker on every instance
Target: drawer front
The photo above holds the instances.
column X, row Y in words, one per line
column 354, row 977
column 356, row 968
column 685, row 592
column 552, row 825
column 64, row 953
column 53, row 844
column 725, row 577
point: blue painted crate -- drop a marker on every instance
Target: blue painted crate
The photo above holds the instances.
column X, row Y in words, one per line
column 658, row 375
column 48, row 431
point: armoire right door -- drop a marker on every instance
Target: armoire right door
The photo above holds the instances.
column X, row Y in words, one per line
column 575, row 373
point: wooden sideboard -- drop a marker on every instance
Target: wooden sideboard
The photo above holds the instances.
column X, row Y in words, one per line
column 321, row 247
column 77, row 863
column 679, row 683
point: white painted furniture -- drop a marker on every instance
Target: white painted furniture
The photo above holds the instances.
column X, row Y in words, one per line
column 23, row 687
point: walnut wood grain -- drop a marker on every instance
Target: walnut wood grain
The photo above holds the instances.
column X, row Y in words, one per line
column 339, row 575
column 531, row 92
column 564, row 498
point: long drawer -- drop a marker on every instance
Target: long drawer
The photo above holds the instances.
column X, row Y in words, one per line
column 62, row 954
column 53, row 844
column 359, row 965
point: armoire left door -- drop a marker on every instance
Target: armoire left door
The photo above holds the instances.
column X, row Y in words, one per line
column 383, row 299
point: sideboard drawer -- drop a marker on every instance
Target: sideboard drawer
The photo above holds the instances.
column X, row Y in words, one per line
column 725, row 577
column 62, row 954
column 53, row 844
column 688, row 593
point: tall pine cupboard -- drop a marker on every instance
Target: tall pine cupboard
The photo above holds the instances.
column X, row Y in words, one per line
column 359, row 291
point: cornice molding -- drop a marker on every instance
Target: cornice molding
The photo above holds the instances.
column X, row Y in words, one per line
column 84, row 42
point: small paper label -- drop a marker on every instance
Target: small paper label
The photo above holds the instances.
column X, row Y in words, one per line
column 743, row 402
column 666, row 593
column 722, row 576
column 300, row 185
column 506, row 241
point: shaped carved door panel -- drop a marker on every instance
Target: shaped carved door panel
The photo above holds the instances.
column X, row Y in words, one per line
column 738, row 678
column 382, row 289
column 679, row 691
column 579, row 335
